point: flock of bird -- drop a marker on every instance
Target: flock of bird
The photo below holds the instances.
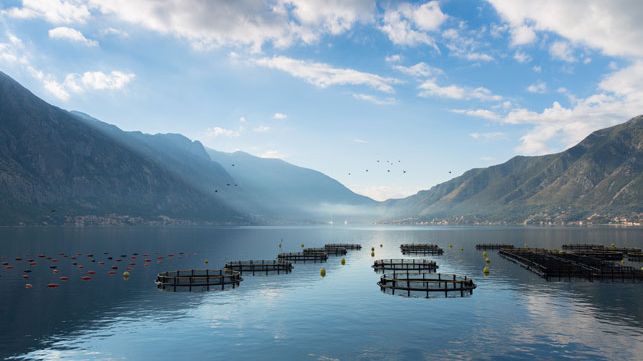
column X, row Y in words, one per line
column 63, row 268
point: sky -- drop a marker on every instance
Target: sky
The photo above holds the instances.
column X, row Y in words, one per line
column 429, row 89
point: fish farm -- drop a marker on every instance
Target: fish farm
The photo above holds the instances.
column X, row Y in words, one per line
column 382, row 265
column 487, row 246
column 303, row 257
column 560, row 265
column 254, row 267
column 330, row 251
column 347, row 246
column 414, row 284
column 421, row 248
column 599, row 247
column 635, row 257
column 198, row 280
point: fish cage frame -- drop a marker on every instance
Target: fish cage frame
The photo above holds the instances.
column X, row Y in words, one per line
column 404, row 264
column 598, row 247
column 489, row 246
column 332, row 251
column 421, row 248
column 427, row 284
column 347, row 246
column 561, row 265
column 254, row 267
column 635, row 257
column 297, row 257
column 198, row 280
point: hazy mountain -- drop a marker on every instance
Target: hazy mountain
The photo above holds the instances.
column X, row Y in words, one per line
column 53, row 166
column 600, row 176
column 289, row 192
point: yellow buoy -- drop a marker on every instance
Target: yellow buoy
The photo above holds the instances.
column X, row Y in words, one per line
column 450, row 245
column 485, row 270
column 372, row 254
column 381, row 245
column 484, row 253
column 461, row 249
column 487, row 260
column 322, row 272
column 343, row 262
column 125, row 274
column 205, row 261
column 372, row 249
column 302, row 245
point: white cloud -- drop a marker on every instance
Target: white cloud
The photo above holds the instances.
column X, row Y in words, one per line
column 374, row 99
column 561, row 50
column 116, row 32
column 242, row 119
column 409, row 24
column 538, row 87
column 430, row 88
column 252, row 24
column 395, row 58
column 69, row 34
column 324, row 75
column 272, row 154
column 463, row 46
column 359, row 141
column 619, row 97
column 53, row 11
column 613, row 26
column 488, row 136
column 221, row 132
column 419, row 70
column 279, row 116
column 97, row 80
column 480, row 113
column 522, row 57
column 522, row 35
column 261, row 129
column 537, row 68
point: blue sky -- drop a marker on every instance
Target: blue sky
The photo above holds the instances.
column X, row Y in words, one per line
column 435, row 88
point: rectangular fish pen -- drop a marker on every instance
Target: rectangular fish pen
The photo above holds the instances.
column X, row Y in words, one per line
column 486, row 246
column 347, row 246
column 303, row 257
column 599, row 247
column 413, row 284
column 602, row 254
column 635, row 257
column 255, row 267
column 198, row 280
column 421, row 248
column 337, row 251
column 554, row 265
column 382, row 265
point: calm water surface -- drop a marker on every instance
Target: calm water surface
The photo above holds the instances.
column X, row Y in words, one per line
column 513, row 314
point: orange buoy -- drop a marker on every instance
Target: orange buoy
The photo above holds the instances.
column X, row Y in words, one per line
column 55, row 270
column 53, row 285
column 86, row 278
column 91, row 272
column 28, row 285
column 64, row 278
column 25, row 276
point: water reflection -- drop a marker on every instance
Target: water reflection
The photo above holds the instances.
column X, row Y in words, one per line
column 512, row 313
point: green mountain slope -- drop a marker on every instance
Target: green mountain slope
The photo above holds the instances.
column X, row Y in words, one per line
column 597, row 179
column 55, row 167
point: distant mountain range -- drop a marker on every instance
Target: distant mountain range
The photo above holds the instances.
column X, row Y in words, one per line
column 596, row 180
column 67, row 167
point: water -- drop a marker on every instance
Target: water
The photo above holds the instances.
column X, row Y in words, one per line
column 513, row 314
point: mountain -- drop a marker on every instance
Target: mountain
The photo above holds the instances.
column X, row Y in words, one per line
column 596, row 180
column 289, row 192
column 56, row 168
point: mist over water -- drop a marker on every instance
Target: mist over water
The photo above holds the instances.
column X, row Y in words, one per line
column 512, row 314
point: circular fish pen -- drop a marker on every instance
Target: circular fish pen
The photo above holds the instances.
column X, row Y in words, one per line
column 198, row 280
column 347, row 246
column 297, row 257
column 421, row 248
column 382, row 265
column 420, row 284
column 260, row 267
